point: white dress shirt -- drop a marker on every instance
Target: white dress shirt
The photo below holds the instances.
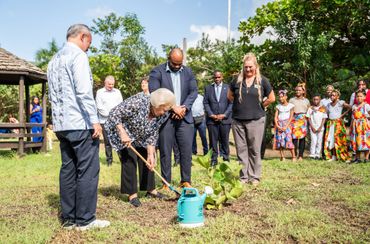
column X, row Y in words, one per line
column 198, row 108
column 105, row 101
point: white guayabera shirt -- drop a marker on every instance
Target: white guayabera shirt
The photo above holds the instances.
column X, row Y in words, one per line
column 70, row 90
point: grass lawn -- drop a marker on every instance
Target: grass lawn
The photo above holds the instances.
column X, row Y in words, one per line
column 309, row 201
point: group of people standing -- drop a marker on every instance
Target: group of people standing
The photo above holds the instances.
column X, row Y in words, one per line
column 159, row 117
column 324, row 119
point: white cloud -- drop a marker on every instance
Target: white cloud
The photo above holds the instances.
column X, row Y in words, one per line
column 215, row 32
column 268, row 33
column 98, row 12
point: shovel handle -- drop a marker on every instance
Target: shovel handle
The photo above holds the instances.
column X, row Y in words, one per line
column 147, row 164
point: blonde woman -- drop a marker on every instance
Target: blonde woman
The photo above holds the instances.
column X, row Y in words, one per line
column 247, row 93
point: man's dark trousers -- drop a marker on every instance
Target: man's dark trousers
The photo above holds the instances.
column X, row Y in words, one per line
column 182, row 132
column 79, row 175
column 108, row 147
column 219, row 136
column 201, row 127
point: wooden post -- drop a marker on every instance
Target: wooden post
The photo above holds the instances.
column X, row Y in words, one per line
column 28, row 108
column 21, row 115
column 44, row 97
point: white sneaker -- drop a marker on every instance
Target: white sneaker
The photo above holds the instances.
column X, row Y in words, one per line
column 95, row 224
column 332, row 159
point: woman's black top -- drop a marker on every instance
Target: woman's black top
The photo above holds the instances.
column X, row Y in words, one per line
column 250, row 107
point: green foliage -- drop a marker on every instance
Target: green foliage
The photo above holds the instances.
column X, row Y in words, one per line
column 209, row 56
column 123, row 52
column 8, row 101
column 319, row 42
column 223, row 178
column 44, row 55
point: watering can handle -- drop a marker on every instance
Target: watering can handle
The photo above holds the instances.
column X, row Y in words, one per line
column 186, row 189
column 179, row 206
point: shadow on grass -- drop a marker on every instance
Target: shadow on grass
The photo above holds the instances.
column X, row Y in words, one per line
column 8, row 153
column 113, row 191
column 54, row 203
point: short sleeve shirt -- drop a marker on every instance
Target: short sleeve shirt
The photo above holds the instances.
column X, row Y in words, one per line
column 334, row 112
column 284, row 111
column 300, row 105
column 248, row 106
column 316, row 114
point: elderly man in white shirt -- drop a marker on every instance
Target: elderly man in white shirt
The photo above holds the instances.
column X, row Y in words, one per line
column 107, row 98
column 76, row 124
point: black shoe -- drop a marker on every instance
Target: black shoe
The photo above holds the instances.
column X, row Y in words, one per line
column 158, row 195
column 68, row 225
column 226, row 159
column 135, row 202
column 355, row 161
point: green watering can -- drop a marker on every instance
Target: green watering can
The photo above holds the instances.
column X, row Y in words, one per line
column 190, row 207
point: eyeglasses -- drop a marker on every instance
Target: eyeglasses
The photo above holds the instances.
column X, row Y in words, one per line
column 217, row 77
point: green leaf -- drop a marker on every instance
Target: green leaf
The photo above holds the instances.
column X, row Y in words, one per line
column 236, row 192
column 220, row 200
column 210, row 206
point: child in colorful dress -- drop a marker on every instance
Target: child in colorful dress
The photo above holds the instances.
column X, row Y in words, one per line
column 335, row 135
column 283, row 133
column 360, row 127
column 299, row 121
column 316, row 115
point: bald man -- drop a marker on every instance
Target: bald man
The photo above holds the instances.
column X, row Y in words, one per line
column 178, row 78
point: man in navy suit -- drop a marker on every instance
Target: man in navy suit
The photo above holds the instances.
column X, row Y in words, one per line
column 218, row 109
column 178, row 78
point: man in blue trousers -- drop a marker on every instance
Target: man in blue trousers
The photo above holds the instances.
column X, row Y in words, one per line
column 76, row 124
column 218, row 109
column 178, row 78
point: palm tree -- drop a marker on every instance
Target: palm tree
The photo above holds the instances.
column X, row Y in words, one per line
column 44, row 55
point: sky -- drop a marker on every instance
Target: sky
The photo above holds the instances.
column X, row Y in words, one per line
column 29, row 25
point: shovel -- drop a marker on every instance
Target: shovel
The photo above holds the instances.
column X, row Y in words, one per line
column 155, row 171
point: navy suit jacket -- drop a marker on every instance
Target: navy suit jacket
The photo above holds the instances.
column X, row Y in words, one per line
column 212, row 106
column 160, row 78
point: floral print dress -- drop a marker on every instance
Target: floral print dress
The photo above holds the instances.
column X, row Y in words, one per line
column 336, row 134
column 360, row 128
column 133, row 114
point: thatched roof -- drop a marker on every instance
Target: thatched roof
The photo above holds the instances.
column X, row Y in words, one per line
column 12, row 67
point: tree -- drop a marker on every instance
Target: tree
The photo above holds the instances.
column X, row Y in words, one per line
column 44, row 55
column 209, row 56
column 320, row 42
column 123, row 52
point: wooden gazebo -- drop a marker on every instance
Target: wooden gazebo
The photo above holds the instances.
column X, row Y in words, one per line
column 16, row 71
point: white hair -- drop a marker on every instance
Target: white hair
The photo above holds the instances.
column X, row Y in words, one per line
column 162, row 97
column 109, row 78
column 76, row 29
